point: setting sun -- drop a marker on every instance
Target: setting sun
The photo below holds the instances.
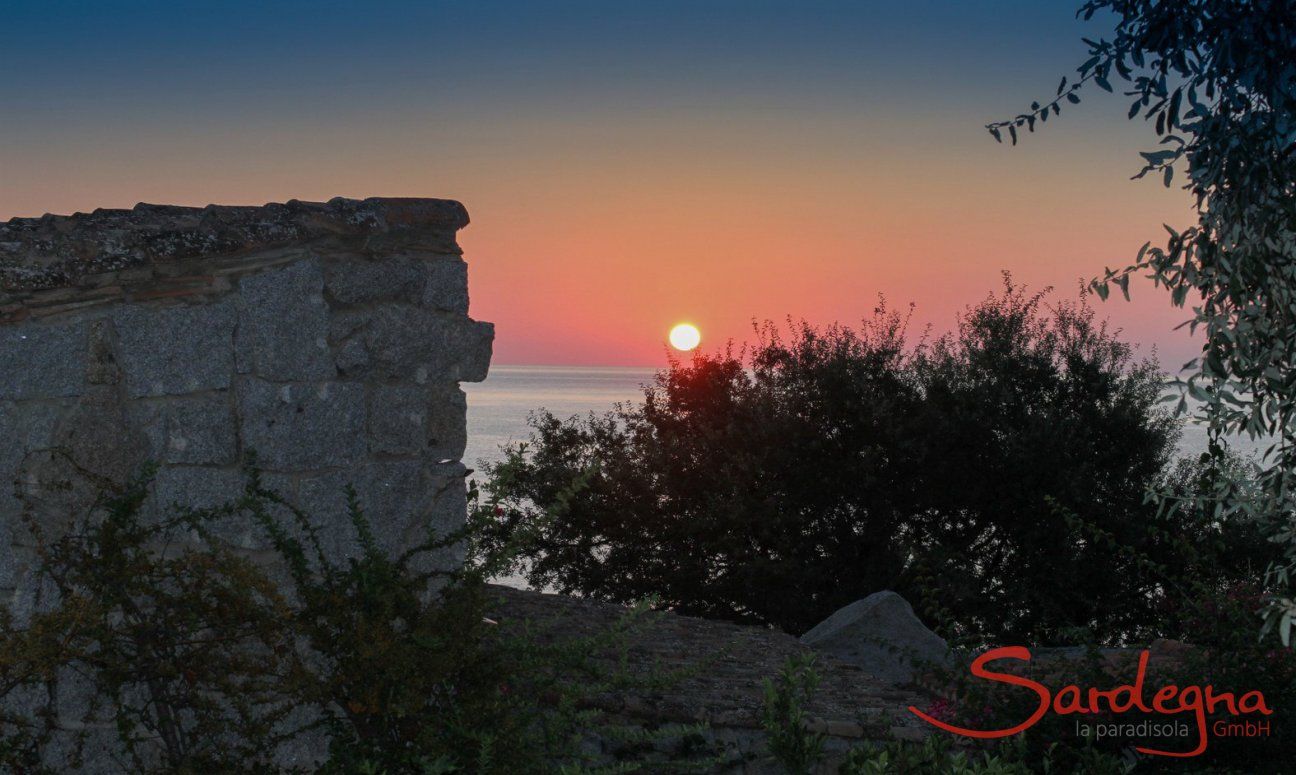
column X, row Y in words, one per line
column 685, row 337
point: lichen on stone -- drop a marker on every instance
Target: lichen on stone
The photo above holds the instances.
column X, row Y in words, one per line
column 55, row 251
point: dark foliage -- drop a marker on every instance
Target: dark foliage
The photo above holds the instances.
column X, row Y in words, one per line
column 779, row 485
column 1213, row 79
column 185, row 657
column 1224, row 653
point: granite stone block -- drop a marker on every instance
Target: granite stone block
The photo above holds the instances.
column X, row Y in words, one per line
column 404, row 502
column 303, row 426
column 360, row 280
column 413, row 343
column 283, row 324
column 42, row 361
column 398, row 418
column 169, row 351
column 196, row 429
column 447, row 285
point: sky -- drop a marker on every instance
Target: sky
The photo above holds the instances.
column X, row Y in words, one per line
column 627, row 165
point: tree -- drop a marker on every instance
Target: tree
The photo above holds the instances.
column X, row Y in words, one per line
column 767, row 495
column 778, row 485
column 1218, row 80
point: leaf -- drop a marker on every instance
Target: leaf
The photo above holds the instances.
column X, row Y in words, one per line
column 1074, row 99
column 1197, row 105
column 1102, row 83
column 1062, row 85
column 1155, row 158
column 1169, row 173
column 1012, row 132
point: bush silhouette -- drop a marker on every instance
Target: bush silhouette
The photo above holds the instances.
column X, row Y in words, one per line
column 778, row 484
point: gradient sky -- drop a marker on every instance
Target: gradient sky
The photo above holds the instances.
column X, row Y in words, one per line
column 627, row 165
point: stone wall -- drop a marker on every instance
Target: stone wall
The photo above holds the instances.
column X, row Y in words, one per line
column 328, row 339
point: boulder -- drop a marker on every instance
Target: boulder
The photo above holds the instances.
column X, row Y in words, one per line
column 881, row 635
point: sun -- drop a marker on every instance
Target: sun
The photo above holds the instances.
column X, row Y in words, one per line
column 685, row 337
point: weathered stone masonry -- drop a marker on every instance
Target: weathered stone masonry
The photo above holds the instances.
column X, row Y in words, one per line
column 328, row 337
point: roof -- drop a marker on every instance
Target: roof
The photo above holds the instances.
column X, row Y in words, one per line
column 56, row 251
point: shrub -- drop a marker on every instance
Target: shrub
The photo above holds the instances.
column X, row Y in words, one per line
column 800, row 751
column 778, row 485
column 178, row 651
column 1227, row 654
column 1221, row 649
column 194, row 659
column 791, row 742
column 937, row 756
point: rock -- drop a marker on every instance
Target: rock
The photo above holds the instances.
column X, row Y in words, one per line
column 405, row 502
column 881, row 635
column 283, row 324
column 411, row 343
column 173, row 351
column 359, row 280
column 42, row 361
column 58, row 251
column 416, row 419
column 447, row 285
column 197, row 429
column 303, row 426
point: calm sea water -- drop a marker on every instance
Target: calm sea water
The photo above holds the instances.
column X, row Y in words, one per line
column 498, row 408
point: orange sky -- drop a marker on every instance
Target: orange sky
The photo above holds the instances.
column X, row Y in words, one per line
column 719, row 175
column 628, row 245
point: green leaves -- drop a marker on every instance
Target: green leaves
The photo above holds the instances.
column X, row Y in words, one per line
column 1231, row 63
column 797, row 749
column 1041, row 112
column 211, row 662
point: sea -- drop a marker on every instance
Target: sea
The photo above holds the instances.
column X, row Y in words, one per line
column 498, row 408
